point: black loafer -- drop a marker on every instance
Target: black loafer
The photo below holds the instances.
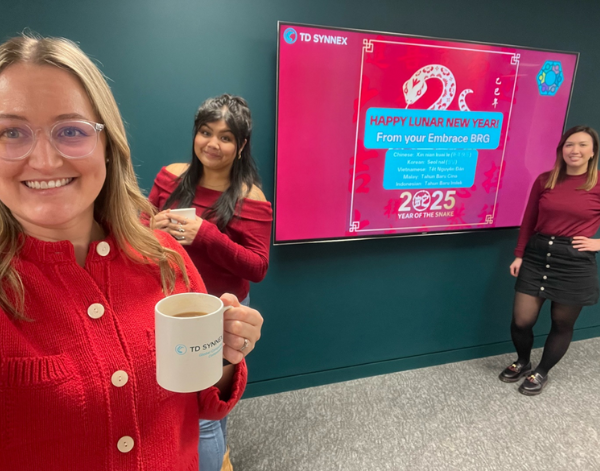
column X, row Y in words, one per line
column 515, row 372
column 533, row 384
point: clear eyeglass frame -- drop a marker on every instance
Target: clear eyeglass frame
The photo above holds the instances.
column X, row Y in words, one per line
column 97, row 127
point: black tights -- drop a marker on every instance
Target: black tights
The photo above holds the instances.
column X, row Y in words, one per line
column 525, row 313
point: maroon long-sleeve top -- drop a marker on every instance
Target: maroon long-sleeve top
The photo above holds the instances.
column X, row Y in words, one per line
column 228, row 260
column 564, row 211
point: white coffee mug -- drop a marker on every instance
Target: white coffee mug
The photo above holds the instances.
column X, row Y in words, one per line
column 189, row 350
column 189, row 213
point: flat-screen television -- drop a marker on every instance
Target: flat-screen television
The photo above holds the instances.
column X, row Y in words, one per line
column 386, row 135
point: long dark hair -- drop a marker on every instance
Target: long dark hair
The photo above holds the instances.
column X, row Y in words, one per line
column 236, row 114
column 558, row 173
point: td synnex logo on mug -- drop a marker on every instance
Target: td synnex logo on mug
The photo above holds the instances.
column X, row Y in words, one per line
column 210, row 348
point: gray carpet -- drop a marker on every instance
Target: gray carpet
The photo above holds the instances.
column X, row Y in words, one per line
column 451, row 417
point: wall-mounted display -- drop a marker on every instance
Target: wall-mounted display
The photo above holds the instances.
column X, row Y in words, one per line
column 381, row 134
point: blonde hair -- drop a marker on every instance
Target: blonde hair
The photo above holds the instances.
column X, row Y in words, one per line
column 120, row 202
column 558, row 173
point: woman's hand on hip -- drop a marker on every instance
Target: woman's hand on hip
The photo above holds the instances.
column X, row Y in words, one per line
column 185, row 229
column 585, row 244
column 516, row 266
column 241, row 329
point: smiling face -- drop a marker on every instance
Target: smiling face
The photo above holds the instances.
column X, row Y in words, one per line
column 46, row 191
column 215, row 146
column 577, row 151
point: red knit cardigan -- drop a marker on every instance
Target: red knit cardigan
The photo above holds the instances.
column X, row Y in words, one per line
column 78, row 386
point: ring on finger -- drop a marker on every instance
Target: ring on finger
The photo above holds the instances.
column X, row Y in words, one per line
column 246, row 343
column 181, row 229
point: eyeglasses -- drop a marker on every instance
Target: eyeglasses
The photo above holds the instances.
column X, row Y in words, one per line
column 73, row 139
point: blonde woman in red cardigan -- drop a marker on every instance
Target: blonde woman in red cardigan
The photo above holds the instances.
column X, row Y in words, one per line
column 79, row 279
column 229, row 238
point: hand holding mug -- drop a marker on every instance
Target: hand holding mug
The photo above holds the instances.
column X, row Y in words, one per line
column 195, row 332
column 183, row 228
column 242, row 327
column 161, row 221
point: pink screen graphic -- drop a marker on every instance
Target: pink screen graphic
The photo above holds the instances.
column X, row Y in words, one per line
column 381, row 134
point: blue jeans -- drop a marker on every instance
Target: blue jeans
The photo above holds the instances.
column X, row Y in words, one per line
column 213, row 436
column 213, row 439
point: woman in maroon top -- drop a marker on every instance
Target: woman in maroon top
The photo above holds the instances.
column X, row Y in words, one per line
column 228, row 241
column 556, row 256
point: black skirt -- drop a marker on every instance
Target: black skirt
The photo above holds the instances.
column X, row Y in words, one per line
column 553, row 269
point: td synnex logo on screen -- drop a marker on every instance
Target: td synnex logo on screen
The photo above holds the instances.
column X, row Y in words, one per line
column 290, row 37
column 324, row 38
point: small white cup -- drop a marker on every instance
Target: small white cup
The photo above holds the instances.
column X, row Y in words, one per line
column 189, row 213
column 189, row 350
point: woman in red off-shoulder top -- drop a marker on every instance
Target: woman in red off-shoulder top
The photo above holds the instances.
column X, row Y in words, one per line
column 229, row 238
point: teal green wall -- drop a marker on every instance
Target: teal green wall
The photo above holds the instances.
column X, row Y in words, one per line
column 332, row 311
